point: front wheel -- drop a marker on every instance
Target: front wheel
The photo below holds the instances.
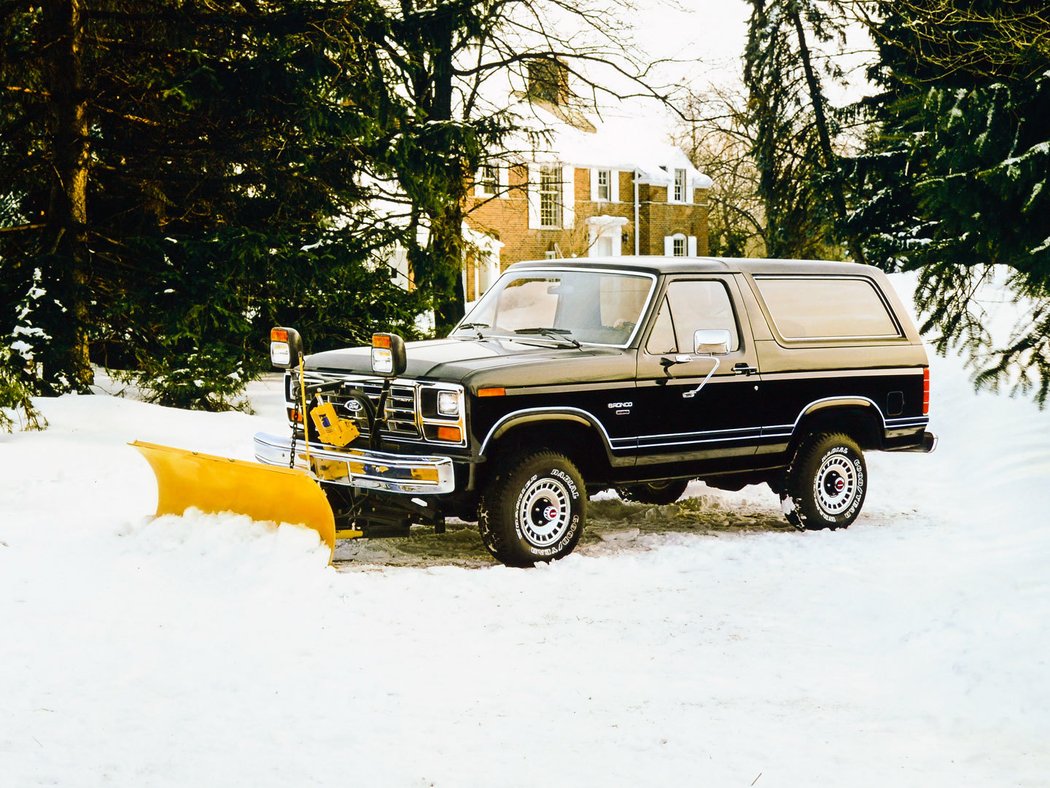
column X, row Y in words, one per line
column 825, row 484
column 533, row 511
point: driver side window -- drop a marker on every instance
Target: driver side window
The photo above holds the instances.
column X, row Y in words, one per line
column 688, row 306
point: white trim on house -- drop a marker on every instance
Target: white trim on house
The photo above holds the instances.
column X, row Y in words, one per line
column 565, row 208
column 486, row 260
column 677, row 245
column 612, row 185
column 608, row 228
column 680, row 189
column 568, row 197
column 483, row 180
column 532, row 194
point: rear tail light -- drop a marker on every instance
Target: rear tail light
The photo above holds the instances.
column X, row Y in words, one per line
column 926, row 391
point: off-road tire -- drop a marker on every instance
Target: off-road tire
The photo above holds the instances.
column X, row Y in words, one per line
column 661, row 493
column 532, row 509
column 825, row 484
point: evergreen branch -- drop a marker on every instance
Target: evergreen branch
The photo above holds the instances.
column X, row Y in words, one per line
column 21, row 228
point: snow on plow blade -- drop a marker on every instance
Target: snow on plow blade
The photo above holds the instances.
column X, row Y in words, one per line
column 218, row 484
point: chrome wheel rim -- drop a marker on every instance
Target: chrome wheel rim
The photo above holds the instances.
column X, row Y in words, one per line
column 836, row 484
column 544, row 512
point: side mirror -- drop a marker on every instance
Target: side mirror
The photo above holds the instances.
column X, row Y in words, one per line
column 286, row 347
column 388, row 355
column 711, row 342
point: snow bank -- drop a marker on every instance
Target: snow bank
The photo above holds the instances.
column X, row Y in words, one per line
column 207, row 650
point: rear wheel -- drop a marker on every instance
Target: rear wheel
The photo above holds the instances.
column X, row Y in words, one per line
column 533, row 511
column 825, row 484
column 663, row 492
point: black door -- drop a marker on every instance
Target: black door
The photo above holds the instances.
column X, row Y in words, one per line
column 702, row 411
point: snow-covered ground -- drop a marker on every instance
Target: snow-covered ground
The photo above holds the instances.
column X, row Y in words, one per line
column 909, row 650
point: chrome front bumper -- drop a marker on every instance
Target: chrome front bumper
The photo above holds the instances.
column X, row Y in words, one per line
column 374, row 470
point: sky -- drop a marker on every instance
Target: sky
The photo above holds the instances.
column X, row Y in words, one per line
column 708, row 37
column 708, row 34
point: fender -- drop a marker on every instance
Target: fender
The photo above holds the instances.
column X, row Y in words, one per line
column 839, row 402
column 856, row 403
column 532, row 415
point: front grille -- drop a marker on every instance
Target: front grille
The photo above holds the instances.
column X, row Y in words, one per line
column 401, row 404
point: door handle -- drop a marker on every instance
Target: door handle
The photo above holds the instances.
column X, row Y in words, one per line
column 743, row 368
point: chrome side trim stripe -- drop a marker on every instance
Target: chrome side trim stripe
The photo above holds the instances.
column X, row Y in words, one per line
column 658, row 440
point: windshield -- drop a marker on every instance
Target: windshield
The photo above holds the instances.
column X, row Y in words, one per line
column 595, row 307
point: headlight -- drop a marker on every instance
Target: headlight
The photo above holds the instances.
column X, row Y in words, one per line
column 382, row 360
column 448, row 403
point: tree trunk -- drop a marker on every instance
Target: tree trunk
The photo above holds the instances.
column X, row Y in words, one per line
column 446, row 243
column 63, row 315
column 446, row 225
column 831, row 164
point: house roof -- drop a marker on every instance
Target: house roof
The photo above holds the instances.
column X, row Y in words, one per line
column 614, row 143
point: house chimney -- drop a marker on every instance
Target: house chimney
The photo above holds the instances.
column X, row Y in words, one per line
column 548, row 80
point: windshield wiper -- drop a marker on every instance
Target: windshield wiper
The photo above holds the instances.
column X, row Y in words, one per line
column 560, row 334
column 476, row 326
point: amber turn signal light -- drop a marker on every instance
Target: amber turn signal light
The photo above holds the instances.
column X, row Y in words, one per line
column 452, row 434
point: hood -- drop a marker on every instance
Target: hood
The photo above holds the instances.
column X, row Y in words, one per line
column 500, row 362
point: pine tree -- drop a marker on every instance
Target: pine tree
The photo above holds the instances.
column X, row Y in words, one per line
column 53, row 324
column 794, row 128
column 226, row 188
column 954, row 179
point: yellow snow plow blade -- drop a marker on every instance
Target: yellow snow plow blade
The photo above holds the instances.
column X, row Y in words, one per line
column 219, row 484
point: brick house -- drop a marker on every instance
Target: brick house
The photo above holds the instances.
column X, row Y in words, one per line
column 596, row 189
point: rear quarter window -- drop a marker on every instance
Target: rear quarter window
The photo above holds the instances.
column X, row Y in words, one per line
column 826, row 308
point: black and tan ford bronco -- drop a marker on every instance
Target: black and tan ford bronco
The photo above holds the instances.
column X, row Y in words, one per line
column 640, row 374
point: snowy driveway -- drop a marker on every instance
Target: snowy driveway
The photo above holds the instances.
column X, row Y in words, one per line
column 910, row 649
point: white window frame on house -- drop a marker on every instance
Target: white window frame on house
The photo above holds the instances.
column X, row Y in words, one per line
column 680, row 245
column 490, row 181
column 551, row 190
column 605, row 185
column 551, row 197
column 679, row 186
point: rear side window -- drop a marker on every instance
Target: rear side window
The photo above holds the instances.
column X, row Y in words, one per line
column 826, row 308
